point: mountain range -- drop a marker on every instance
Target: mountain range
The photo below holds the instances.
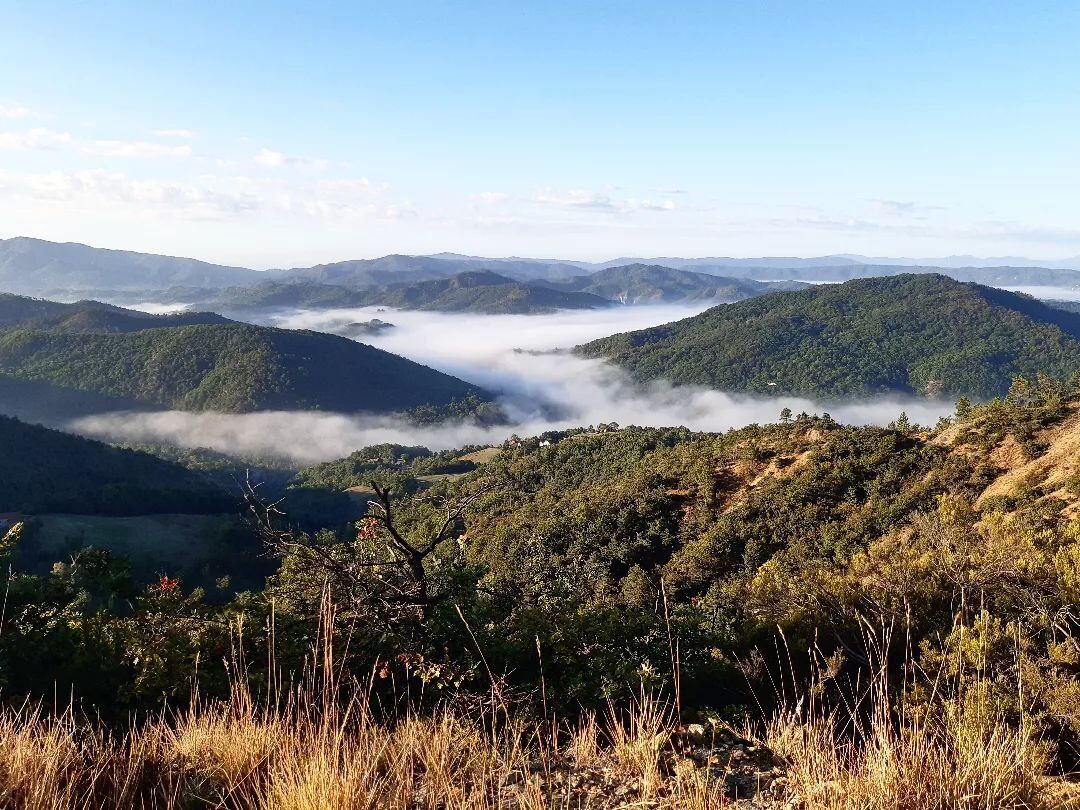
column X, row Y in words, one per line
column 35, row 266
column 484, row 291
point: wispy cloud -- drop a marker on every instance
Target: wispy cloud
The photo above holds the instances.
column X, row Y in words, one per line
column 137, row 149
column 37, row 138
column 181, row 134
column 491, row 197
column 599, row 201
column 908, row 227
column 98, row 185
column 905, row 208
column 210, row 196
column 576, row 198
column 270, row 157
column 16, row 110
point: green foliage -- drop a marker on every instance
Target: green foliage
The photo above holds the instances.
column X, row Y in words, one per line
column 648, row 283
column 48, row 471
column 600, row 555
column 90, row 316
column 232, row 368
column 475, row 291
column 922, row 334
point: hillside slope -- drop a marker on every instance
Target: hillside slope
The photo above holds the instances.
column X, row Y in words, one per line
column 18, row 311
column 923, row 334
column 483, row 292
column 230, row 367
column 35, row 266
column 655, row 284
column 471, row 291
column 49, row 471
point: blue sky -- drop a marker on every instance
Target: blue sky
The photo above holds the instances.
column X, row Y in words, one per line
column 276, row 134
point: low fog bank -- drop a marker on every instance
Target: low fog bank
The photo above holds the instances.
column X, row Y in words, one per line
column 511, row 355
column 597, row 395
column 1049, row 293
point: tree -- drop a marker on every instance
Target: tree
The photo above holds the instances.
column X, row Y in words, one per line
column 384, row 575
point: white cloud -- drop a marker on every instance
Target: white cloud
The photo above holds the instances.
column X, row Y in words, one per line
column 15, row 110
column 182, row 134
column 269, row 157
column 100, row 186
column 141, row 149
column 576, row 198
column 539, row 391
column 905, row 208
column 491, row 197
column 37, row 138
column 594, row 200
column 346, row 200
column 653, row 205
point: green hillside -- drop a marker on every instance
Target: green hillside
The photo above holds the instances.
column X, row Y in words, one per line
column 483, row 292
column 18, row 311
column 654, row 284
column 48, row 471
column 923, row 334
column 229, row 367
column 475, row 291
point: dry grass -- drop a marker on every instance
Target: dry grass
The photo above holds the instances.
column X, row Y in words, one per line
column 946, row 753
column 311, row 752
column 309, row 758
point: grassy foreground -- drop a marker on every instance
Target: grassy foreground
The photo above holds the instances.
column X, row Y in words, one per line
column 327, row 755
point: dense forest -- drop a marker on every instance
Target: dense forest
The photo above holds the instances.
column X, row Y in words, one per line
column 921, row 334
column 568, row 537
column 600, row 562
column 45, row 470
column 476, row 291
column 18, row 311
column 655, row 284
column 231, row 368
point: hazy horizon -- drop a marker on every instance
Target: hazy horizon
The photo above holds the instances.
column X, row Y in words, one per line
column 951, row 261
column 728, row 129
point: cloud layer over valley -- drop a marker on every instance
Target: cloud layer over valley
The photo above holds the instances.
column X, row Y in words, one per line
column 512, row 355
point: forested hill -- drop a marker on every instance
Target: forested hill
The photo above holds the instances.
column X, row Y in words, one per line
column 232, row 368
column 38, row 313
column 49, row 471
column 473, row 291
column 923, row 334
column 654, row 284
column 486, row 292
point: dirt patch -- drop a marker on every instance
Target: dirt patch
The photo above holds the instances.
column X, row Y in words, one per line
column 1060, row 462
column 482, row 456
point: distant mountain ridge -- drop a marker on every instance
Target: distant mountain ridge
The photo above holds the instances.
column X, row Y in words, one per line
column 34, row 266
column 655, row 284
column 480, row 291
column 39, row 267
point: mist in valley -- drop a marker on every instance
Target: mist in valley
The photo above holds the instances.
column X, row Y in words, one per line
column 520, row 358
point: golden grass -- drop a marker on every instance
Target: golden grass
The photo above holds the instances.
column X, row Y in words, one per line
column 306, row 757
column 311, row 752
